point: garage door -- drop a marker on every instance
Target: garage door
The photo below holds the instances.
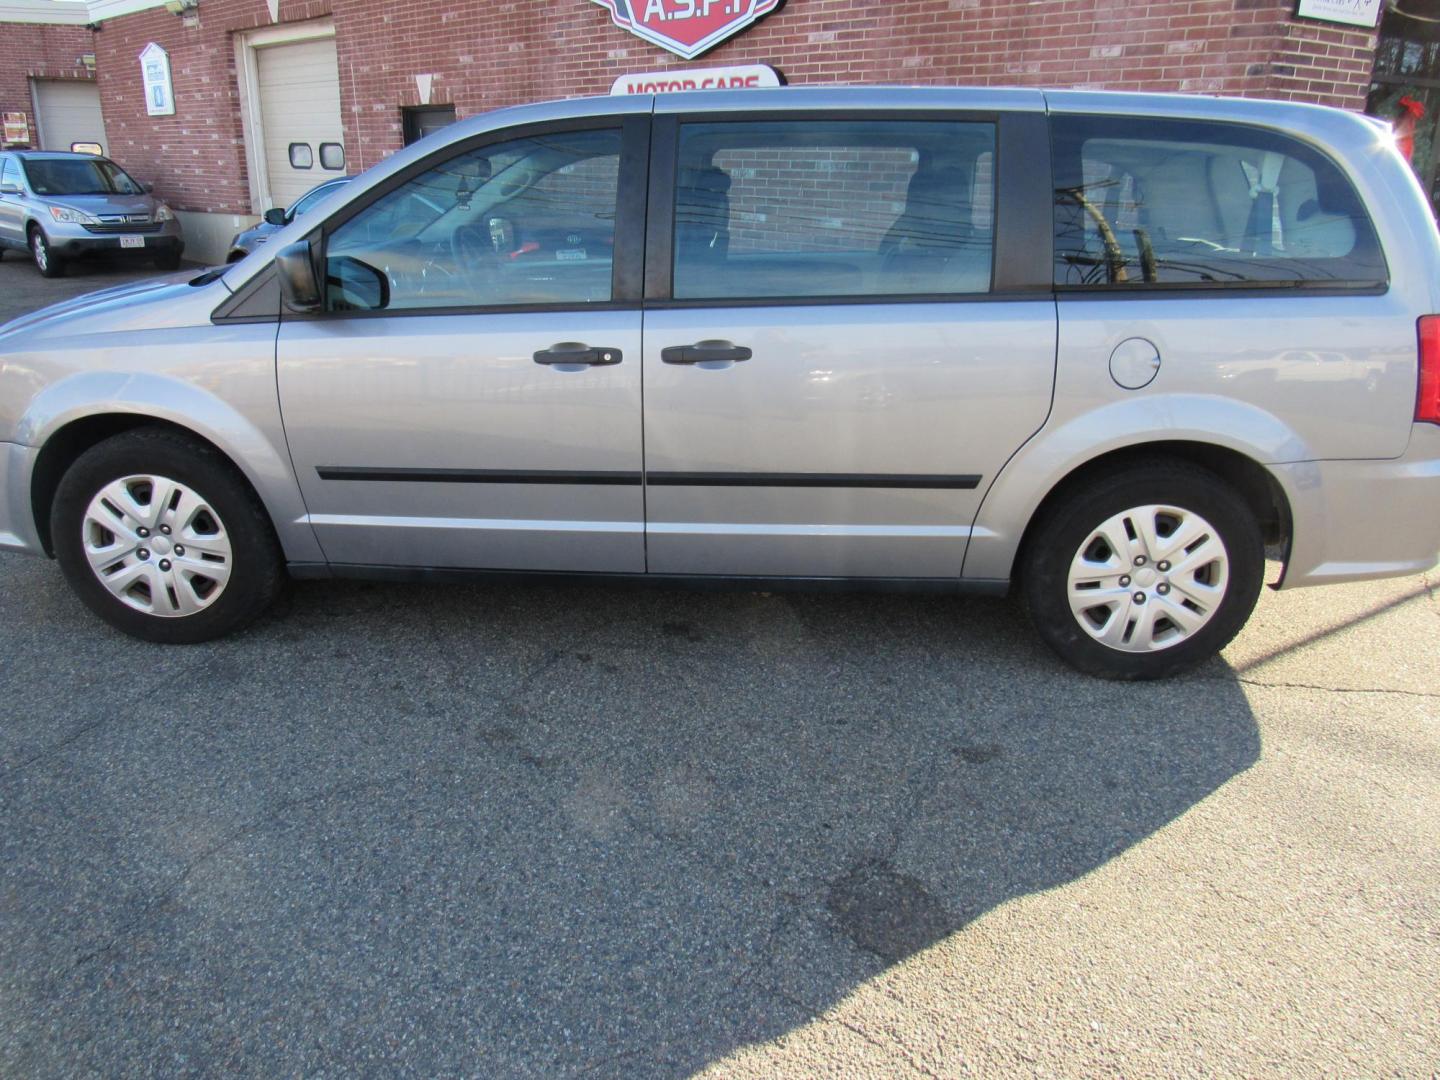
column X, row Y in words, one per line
column 300, row 116
column 68, row 111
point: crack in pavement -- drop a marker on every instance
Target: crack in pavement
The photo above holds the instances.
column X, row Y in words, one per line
column 885, row 1044
column 1328, row 689
column 246, row 828
column 76, row 734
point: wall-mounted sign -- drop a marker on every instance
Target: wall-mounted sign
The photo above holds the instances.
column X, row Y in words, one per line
column 1351, row 12
column 17, row 127
column 735, row 77
column 686, row 27
column 155, row 72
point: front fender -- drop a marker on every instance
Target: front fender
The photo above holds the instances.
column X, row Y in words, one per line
column 1057, row 450
column 244, row 427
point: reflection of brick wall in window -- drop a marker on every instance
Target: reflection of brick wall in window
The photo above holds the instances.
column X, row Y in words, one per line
column 814, row 198
column 582, row 192
column 982, row 206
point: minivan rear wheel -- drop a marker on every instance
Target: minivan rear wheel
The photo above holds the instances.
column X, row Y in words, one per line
column 162, row 538
column 1144, row 573
column 47, row 262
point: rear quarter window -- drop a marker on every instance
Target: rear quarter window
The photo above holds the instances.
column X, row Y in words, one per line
column 1147, row 203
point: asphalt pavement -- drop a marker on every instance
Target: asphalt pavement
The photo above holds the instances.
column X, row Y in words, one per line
column 586, row 831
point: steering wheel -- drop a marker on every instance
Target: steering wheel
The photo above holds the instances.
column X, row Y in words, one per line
column 474, row 253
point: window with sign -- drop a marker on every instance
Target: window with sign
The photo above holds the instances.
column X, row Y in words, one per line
column 528, row 221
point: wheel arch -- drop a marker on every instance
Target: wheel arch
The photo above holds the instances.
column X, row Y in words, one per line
column 1253, row 482
column 1232, row 440
column 264, row 466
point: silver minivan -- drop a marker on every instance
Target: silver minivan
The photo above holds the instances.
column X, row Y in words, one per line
column 1099, row 348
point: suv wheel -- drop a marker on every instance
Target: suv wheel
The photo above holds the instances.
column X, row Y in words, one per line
column 161, row 538
column 46, row 261
column 1145, row 573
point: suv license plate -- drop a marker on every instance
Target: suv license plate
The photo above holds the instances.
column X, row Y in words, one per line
column 132, row 241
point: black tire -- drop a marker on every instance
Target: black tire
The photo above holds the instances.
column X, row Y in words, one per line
column 46, row 261
column 169, row 261
column 1073, row 518
column 256, row 566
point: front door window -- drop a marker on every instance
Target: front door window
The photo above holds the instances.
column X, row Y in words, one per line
column 524, row 222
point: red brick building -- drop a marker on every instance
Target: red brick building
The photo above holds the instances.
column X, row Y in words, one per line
column 44, row 46
column 256, row 80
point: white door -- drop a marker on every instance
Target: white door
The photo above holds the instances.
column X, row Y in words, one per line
column 68, row 111
column 300, row 116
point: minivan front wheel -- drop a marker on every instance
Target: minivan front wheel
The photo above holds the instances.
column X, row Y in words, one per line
column 1144, row 574
column 160, row 537
column 46, row 261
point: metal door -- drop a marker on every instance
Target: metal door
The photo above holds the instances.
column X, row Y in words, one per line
column 483, row 434
column 853, row 432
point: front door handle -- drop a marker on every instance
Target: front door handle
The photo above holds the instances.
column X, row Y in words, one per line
column 705, row 352
column 577, row 352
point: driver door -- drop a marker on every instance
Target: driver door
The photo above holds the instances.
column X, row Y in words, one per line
column 476, row 403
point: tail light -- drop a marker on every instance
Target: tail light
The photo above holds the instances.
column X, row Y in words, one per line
column 1427, row 400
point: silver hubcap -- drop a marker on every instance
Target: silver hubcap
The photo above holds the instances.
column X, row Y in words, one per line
column 42, row 256
column 157, row 546
column 1148, row 578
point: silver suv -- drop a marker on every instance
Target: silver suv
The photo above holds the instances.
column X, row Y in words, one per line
column 1101, row 348
column 64, row 206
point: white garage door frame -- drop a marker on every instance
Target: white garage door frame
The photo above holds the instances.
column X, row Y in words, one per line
column 251, row 119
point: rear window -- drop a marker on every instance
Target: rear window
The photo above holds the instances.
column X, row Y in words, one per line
column 1152, row 203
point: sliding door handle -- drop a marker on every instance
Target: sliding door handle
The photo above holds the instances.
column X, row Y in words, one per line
column 577, row 352
column 705, row 352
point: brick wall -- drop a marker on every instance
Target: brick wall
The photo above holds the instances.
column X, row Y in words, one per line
column 196, row 158
column 27, row 51
column 485, row 55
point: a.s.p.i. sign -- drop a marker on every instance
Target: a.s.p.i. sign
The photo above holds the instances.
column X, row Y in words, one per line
column 686, row 27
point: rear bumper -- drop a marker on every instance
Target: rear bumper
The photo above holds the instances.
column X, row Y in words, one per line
column 1357, row 520
column 17, row 523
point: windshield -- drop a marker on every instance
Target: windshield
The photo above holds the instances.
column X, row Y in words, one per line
column 314, row 195
column 78, row 176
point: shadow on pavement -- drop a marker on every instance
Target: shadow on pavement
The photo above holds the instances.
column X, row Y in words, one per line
column 539, row 831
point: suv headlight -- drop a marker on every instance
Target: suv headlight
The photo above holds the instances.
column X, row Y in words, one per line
column 164, row 213
column 73, row 217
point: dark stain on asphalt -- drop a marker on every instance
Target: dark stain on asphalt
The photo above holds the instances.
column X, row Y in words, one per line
column 885, row 912
column 979, row 755
column 682, row 630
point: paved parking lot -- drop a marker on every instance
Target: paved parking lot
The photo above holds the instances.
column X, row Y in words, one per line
column 550, row 832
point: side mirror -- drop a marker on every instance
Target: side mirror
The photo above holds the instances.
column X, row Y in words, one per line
column 147, row 188
column 298, row 284
column 9, row 189
column 275, row 216
column 356, row 286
